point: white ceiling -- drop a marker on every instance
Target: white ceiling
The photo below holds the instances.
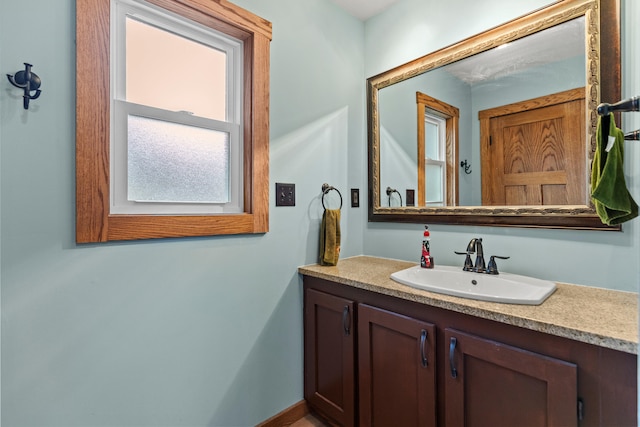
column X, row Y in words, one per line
column 364, row 9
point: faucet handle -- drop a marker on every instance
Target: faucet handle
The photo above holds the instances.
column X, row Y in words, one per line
column 492, row 268
column 468, row 264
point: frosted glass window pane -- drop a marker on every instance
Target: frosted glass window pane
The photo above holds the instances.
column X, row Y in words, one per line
column 169, row 162
column 168, row 71
column 434, row 183
column 432, row 141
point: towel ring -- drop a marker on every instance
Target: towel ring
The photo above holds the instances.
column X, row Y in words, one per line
column 325, row 189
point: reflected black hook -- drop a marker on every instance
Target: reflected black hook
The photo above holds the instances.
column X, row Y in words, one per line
column 28, row 81
column 466, row 166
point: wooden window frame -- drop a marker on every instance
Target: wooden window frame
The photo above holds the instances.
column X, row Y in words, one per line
column 451, row 115
column 94, row 222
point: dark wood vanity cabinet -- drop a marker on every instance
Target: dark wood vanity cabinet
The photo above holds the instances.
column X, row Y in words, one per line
column 372, row 359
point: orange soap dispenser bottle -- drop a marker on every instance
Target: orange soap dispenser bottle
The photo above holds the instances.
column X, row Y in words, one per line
column 426, row 260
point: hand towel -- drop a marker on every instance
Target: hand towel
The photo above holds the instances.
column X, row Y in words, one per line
column 330, row 237
column 613, row 203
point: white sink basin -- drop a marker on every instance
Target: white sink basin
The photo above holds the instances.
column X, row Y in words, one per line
column 505, row 287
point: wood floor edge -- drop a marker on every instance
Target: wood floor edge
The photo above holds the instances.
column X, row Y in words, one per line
column 287, row 416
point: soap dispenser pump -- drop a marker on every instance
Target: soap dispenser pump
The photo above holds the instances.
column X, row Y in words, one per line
column 426, row 260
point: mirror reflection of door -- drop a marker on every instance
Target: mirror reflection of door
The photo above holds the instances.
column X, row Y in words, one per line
column 437, row 152
column 536, row 151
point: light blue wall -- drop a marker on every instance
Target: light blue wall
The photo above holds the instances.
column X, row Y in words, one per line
column 413, row 28
column 190, row 332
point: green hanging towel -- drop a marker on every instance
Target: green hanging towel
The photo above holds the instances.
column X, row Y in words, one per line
column 330, row 237
column 613, row 203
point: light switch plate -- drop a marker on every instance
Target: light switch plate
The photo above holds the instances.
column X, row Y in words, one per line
column 355, row 197
column 285, row 194
column 411, row 197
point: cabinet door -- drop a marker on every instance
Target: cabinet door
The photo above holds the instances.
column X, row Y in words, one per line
column 488, row 383
column 329, row 379
column 396, row 369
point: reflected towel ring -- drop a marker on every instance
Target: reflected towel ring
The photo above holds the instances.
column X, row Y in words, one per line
column 390, row 191
column 325, row 189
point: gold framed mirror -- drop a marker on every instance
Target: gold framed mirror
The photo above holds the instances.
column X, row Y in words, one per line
column 559, row 198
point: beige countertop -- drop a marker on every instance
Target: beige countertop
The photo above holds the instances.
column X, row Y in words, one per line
column 597, row 316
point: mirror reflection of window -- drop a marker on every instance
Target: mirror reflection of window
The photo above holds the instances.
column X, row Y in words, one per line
column 437, row 174
column 435, row 165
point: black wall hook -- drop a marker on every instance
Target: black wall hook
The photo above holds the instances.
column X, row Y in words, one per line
column 28, row 81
